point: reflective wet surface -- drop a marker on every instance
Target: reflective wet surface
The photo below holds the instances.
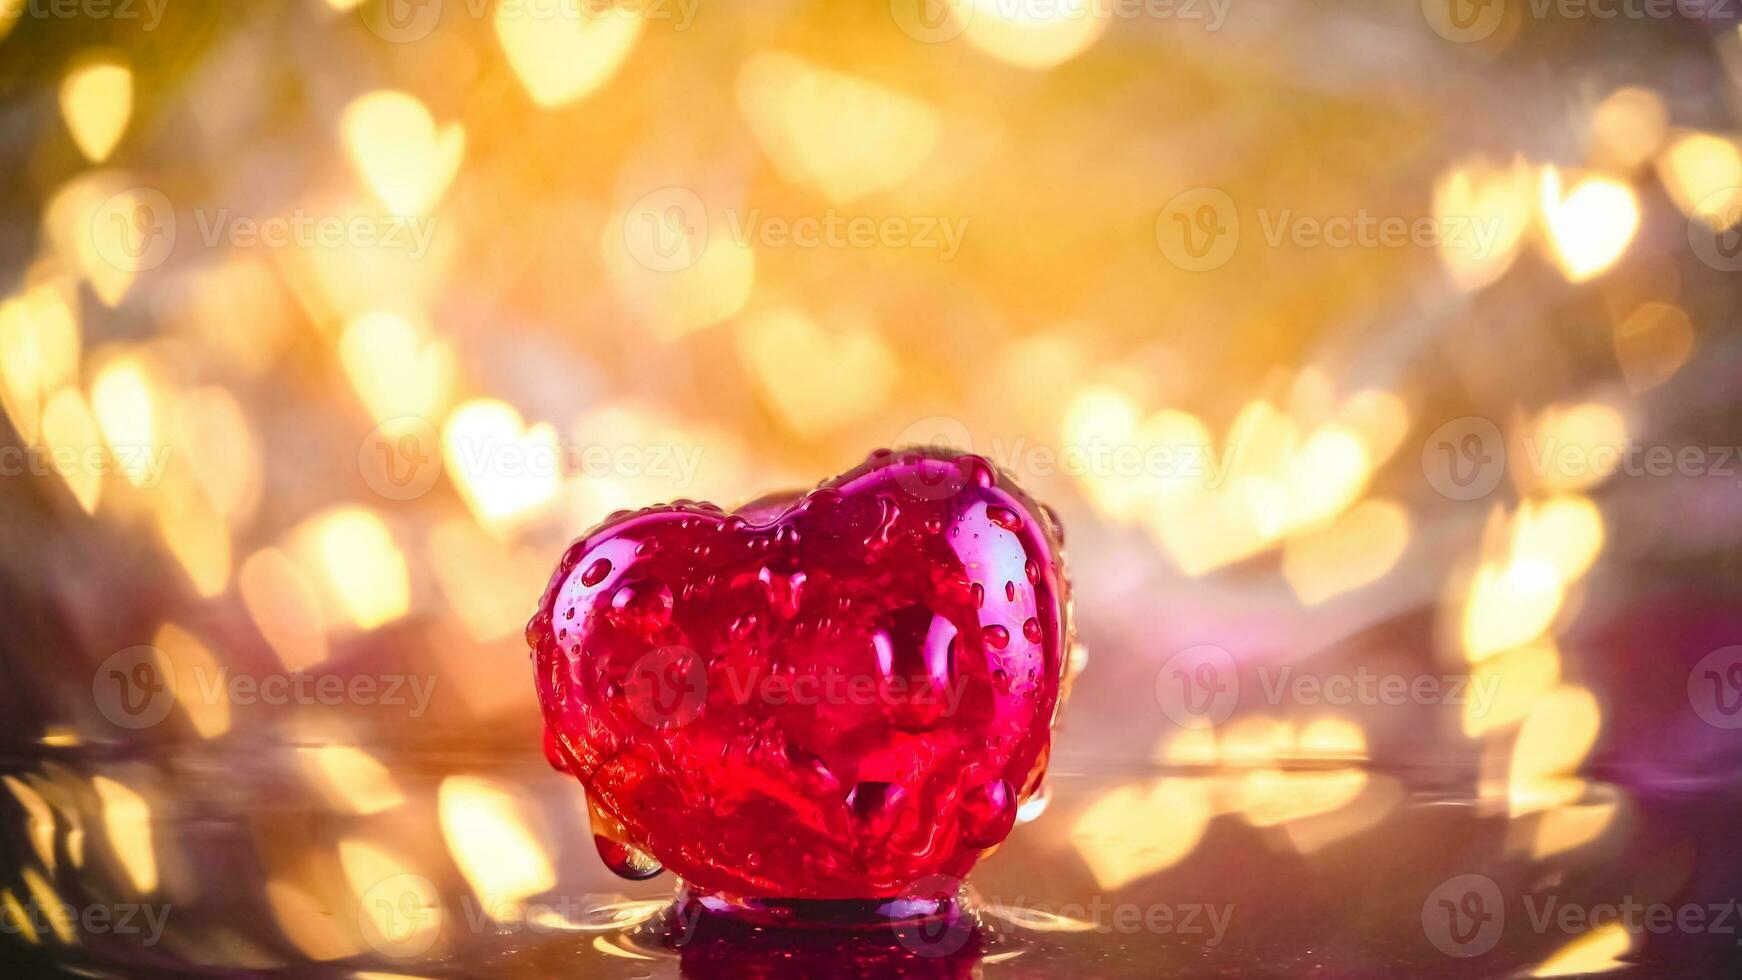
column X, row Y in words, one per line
column 449, row 865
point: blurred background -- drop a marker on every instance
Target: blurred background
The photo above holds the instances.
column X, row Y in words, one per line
column 1380, row 358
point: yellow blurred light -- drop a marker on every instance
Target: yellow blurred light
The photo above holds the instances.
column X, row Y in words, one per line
column 350, row 779
column 1138, row 829
column 213, row 433
column 1356, row 550
column 604, row 945
column 1493, row 206
column 848, row 136
column 9, row 11
column 486, row 582
column 1030, row 33
column 38, row 820
column 127, row 827
column 1509, row 605
column 489, row 837
column 1703, row 175
column 1380, row 418
column 399, row 150
column 70, row 432
column 1559, row 732
column 396, row 367
column 39, row 352
column 1572, row 447
column 1255, row 740
column 505, row 470
column 1652, row 344
column 1506, row 686
column 400, row 910
column 285, row 607
column 237, row 310
column 198, row 538
column 1591, row 226
column 699, row 291
column 1330, row 739
column 563, row 51
column 97, row 100
column 105, row 226
column 123, row 401
column 816, row 379
column 1627, row 127
column 1269, row 797
column 309, row 922
column 196, row 672
column 363, row 567
column 9, row 904
column 47, row 902
column 1598, row 951
column 1565, row 828
column 1325, row 476
column 1566, row 531
column 1189, row 747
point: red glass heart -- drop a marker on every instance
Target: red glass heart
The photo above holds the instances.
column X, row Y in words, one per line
column 822, row 696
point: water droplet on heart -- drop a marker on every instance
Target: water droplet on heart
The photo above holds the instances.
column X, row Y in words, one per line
column 647, row 547
column 997, row 637
column 874, row 806
column 980, row 471
column 742, row 626
column 647, row 599
column 1036, row 804
column 979, row 593
column 1032, row 570
column 1004, row 517
column 625, row 861
column 1031, row 630
column 988, row 813
column 933, row 525
column 1001, row 680
column 1009, row 591
column 915, row 651
column 596, row 572
column 784, row 590
column 623, row 858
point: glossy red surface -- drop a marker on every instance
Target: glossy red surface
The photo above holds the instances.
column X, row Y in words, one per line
column 823, row 696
